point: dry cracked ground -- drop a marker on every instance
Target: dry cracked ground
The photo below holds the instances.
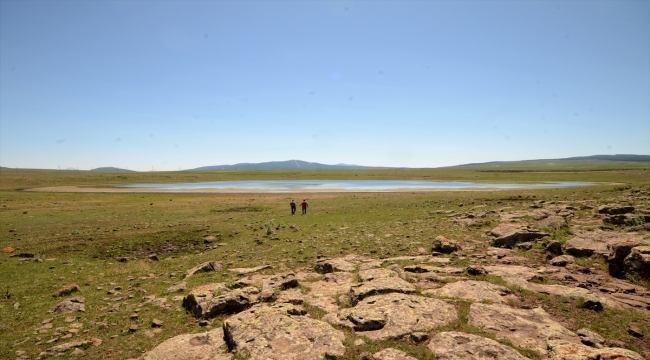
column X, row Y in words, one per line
column 532, row 287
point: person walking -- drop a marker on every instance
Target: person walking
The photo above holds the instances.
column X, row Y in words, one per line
column 304, row 205
column 293, row 207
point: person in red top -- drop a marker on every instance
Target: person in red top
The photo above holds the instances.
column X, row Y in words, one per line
column 304, row 205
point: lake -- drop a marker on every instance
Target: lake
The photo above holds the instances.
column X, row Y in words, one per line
column 289, row 186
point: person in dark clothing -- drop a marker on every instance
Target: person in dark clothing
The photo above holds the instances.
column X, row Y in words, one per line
column 293, row 207
column 304, row 205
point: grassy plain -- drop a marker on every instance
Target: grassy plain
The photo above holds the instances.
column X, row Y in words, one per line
column 79, row 236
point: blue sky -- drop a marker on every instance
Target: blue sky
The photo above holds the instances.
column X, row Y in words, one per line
column 169, row 85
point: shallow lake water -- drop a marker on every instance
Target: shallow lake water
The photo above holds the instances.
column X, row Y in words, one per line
column 348, row 185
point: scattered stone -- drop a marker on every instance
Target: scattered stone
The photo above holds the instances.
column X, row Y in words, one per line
column 363, row 290
column 67, row 346
column 559, row 349
column 562, row 260
column 16, row 305
column 553, row 222
column 453, row 345
column 181, row 286
column 69, row 305
column 624, row 219
column 245, row 271
column 591, row 338
column 476, row 270
column 122, row 259
column 281, row 332
column 471, row 290
column 634, row 330
column 97, row 341
column 509, row 235
column 134, row 316
column 359, row 342
column 149, row 334
column 153, row 257
column 527, row 329
column 156, row 323
column 202, row 346
column 391, row 354
column 209, row 239
column 211, row 300
column 66, row 290
column 8, row 250
column 638, row 262
column 393, row 316
column 204, row 323
column 206, row 266
column 133, row 328
column 77, row 352
column 554, row 247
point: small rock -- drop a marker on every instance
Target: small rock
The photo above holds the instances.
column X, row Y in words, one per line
column 419, row 337
column 153, row 257
column 204, row 323
column 182, row 286
column 149, row 334
column 69, row 305
column 122, row 259
column 591, row 338
column 444, row 245
column 476, row 270
column 554, row 247
column 133, row 328
column 359, row 342
column 593, row 305
column 634, row 330
column 77, row 352
column 8, row 250
column 525, row 245
column 134, row 316
column 615, row 343
column 562, row 260
column 16, row 306
column 156, row 323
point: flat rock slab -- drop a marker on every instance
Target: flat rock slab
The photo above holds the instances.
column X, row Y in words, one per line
column 471, row 290
column 529, row 329
column 391, row 354
column 594, row 243
column 245, row 271
column 434, row 269
column 509, row 235
column 393, row 316
column 361, row 291
column 296, row 297
column 209, row 301
column 553, row 222
column 281, row 332
column 566, row 350
column 271, row 282
column 371, row 274
column 203, row 346
column 455, row 345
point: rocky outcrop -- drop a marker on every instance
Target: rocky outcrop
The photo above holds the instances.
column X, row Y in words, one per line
column 566, row 350
column 372, row 274
column 638, row 262
column 471, row 290
column 508, row 235
column 444, row 245
column 614, row 209
column 529, row 329
column 281, row 332
column 623, row 219
column 594, row 243
column 209, row 301
column 378, row 286
column 393, row 316
column 455, row 345
column 618, row 251
column 202, row 346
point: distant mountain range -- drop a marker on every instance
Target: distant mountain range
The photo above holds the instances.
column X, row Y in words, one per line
column 284, row 165
column 111, row 169
column 617, row 157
